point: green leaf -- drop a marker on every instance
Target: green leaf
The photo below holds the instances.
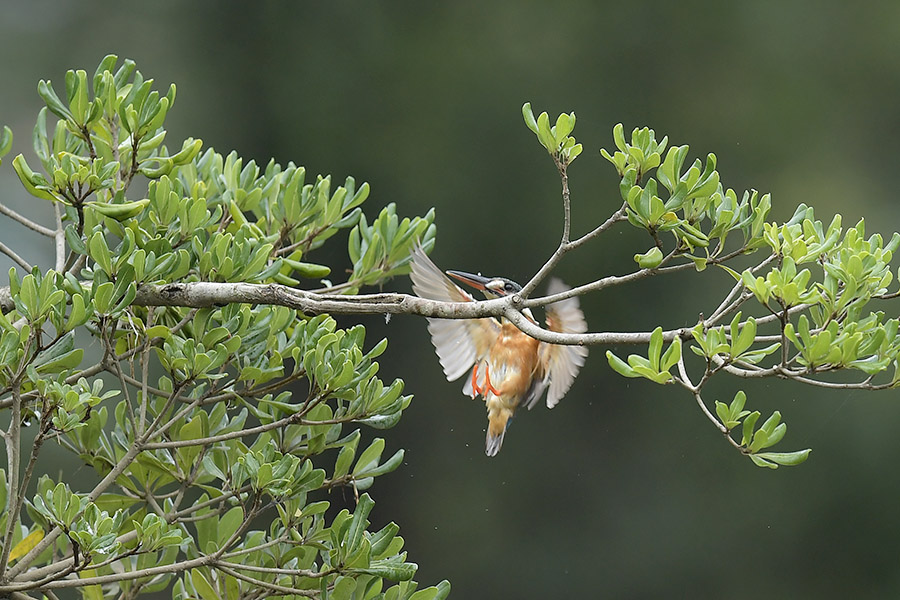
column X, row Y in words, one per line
column 202, row 586
column 749, row 424
column 671, row 356
column 760, row 441
column 387, row 466
column 722, row 412
column 787, row 459
column 6, row 140
column 45, row 91
column 759, row 461
column 742, row 338
column 359, row 522
column 528, row 115
column 99, row 251
column 370, row 456
column 620, row 366
column 229, row 524
column 544, row 134
column 59, row 357
column 656, row 342
column 771, row 422
column 34, row 184
column 393, row 570
column 619, row 137
column 649, row 259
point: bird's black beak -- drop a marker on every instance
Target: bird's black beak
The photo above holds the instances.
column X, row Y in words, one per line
column 476, row 281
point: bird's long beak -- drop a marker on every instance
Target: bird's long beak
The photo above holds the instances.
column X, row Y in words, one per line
column 475, row 281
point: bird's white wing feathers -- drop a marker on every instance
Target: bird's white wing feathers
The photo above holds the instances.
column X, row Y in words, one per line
column 459, row 342
column 560, row 364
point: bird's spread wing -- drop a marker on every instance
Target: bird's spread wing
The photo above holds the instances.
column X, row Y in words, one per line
column 559, row 364
column 459, row 342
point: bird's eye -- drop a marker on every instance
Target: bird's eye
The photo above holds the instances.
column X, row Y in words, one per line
column 508, row 287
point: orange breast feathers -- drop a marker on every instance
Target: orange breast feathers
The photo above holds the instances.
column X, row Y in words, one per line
column 513, row 362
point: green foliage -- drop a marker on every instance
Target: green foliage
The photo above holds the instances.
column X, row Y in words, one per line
column 753, row 440
column 691, row 205
column 735, row 342
column 210, row 458
column 227, row 426
column 556, row 139
column 382, row 249
column 813, row 287
column 656, row 366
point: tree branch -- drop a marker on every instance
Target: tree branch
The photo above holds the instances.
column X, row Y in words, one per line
column 266, row 585
column 59, row 239
column 209, row 294
column 291, row 419
column 15, row 257
column 13, row 458
column 22, row 220
column 110, row 478
column 102, row 579
column 566, row 246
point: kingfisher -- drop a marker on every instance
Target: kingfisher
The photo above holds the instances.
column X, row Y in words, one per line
column 504, row 366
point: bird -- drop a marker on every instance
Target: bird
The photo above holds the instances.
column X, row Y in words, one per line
column 503, row 365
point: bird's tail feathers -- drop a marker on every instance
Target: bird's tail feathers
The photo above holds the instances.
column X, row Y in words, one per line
column 493, row 443
column 497, row 426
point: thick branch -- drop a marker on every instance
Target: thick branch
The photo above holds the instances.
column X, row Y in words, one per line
column 204, row 294
column 208, row 294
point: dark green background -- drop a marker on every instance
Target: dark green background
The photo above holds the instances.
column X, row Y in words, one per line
column 624, row 490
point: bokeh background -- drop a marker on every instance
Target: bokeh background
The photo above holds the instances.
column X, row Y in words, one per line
column 624, row 490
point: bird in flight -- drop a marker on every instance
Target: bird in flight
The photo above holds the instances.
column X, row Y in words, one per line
column 503, row 365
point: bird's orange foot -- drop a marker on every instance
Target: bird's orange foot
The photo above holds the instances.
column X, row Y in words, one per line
column 488, row 386
column 487, row 382
column 475, row 389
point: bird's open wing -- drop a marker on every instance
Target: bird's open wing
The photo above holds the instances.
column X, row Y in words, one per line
column 560, row 364
column 459, row 342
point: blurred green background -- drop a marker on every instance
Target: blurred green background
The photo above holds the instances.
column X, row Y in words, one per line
column 624, row 490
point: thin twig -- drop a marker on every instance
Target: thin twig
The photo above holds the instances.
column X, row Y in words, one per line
column 616, row 217
column 59, row 238
column 101, row 487
column 266, row 585
column 13, row 442
column 605, row 282
column 722, row 429
column 15, row 257
column 23, row 220
column 276, row 571
column 291, row 419
column 251, row 549
column 111, row 578
column 730, row 303
column 779, row 371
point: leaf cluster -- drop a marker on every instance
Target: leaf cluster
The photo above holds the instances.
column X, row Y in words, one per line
column 662, row 195
column 212, row 452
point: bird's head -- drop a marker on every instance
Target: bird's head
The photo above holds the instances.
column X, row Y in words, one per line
column 491, row 287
